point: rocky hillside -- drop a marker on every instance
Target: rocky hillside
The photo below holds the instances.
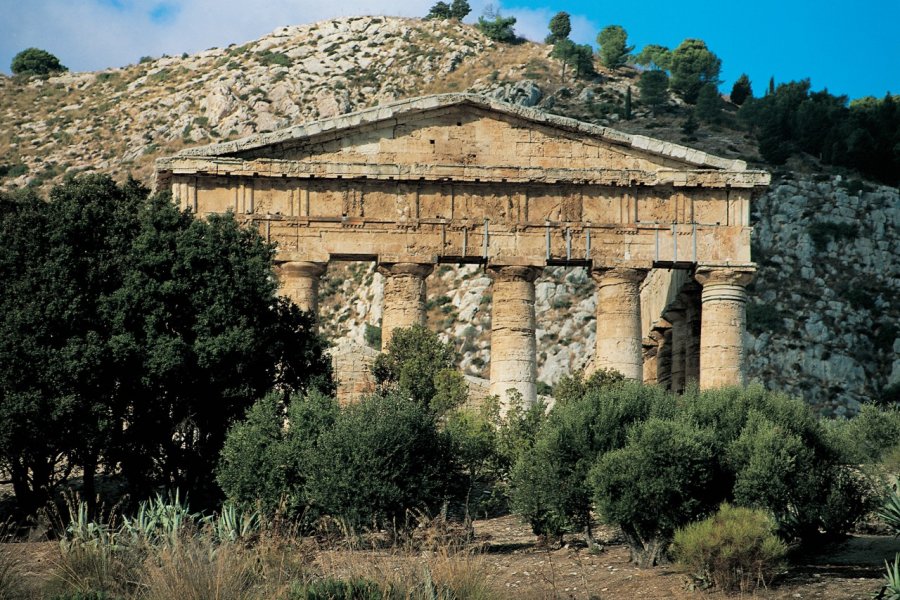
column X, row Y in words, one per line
column 824, row 312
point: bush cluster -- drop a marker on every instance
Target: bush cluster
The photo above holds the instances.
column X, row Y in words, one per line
column 651, row 463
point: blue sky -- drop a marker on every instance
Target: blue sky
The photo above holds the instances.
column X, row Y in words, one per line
column 850, row 48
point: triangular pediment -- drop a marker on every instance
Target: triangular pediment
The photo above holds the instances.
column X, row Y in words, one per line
column 463, row 130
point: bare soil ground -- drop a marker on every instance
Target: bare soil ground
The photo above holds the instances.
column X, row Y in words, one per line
column 515, row 566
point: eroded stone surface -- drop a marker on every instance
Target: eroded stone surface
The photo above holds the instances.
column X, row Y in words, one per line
column 619, row 321
column 513, row 350
column 404, row 297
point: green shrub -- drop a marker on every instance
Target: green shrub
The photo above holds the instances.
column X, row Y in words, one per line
column 499, row 29
column 372, row 336
column 34, row 61
column 549, row 483
column 382, row 459
column 415, row 356
column 264, row 464
column 736, row 548
column 268, row 58
column 659, row 481
column 869, row 436
column 341, row 589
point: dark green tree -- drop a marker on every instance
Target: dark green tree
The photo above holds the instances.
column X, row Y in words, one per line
column 693, row 66
column 560, row 28
column 499, row 29
column 741, row 90
column 654, row 86
column 654, row 57
column 460, row 9
column 628, row 103
column 417, row 365
column 579, row 57
column 440, row 10
column 709, row 104
column 145, row 333
column 614, row 48
column 34, row 61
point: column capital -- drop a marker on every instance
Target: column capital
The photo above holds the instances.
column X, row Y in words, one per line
column 606, row 275
column 302, row 268
column 707, row 275
column 514, row 273
column 410, row 269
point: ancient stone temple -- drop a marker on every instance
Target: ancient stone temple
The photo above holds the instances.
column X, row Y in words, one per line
column 460, row 178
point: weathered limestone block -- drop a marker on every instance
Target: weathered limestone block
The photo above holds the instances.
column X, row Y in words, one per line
column 513, row 348
column 300, row 283
column 619, row 345
column 404, row 297
column 352, row 364
column 724, row 324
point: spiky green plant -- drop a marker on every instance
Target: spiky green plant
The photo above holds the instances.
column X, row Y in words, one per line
column 890, row 512
column 891, row 588
column 233, row 524
column 161, row 521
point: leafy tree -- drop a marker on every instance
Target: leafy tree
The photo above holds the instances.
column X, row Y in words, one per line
column 654, row 87
column 416, row 366
column 34, row 61
column 614, row 48
column 145, row 333
column 654, row 57
column 560, row 28
column 579, row 57
column 659, row 481
column 741, row 90
column 382, row 458
column 693, row 66
column 499, row 29
column 440, row 10
column 460, row 9
column 709, row 104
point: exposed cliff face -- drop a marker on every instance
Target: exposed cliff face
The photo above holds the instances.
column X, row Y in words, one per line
column 824, row 309
column 824, row 312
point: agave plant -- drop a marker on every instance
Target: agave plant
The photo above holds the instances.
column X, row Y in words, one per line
column 890, row 512
column 891, row 588
column 233, row 524
column 160, row 521
column 84, row 531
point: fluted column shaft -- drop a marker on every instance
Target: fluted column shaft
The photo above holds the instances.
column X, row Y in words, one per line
column 619, row 345
column 300, row 282
column 404, row 297
column 724, row 324
column 690, row 298
column 675, row 314
column 513, row 348
column 664, row 359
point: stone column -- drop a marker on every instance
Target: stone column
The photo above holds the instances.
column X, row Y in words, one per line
column 675, row 314
column 300, row 283
column 513, row 348
column 664, row 359
column 404, row 297
column 619, row 321
column 724, row 323
column 690, row 298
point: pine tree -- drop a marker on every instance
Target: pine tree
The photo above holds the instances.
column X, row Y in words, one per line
column 741, row 90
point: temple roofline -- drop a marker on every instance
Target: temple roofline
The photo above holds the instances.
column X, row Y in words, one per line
column 435, row 102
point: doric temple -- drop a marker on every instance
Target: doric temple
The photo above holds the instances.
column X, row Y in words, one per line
column 458, row 178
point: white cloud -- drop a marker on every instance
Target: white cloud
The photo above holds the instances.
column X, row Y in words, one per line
column 95, row 34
